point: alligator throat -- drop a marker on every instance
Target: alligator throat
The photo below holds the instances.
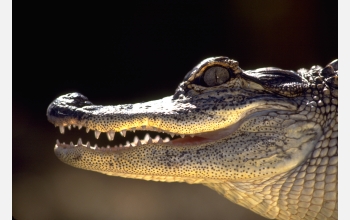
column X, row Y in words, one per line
column 266, row 139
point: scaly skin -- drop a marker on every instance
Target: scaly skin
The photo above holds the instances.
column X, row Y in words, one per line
column 265, row 139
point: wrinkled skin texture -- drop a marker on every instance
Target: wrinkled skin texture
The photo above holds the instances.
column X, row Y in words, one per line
column 266, row 139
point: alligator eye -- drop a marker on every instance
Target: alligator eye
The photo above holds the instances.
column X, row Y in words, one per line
column 215, row 76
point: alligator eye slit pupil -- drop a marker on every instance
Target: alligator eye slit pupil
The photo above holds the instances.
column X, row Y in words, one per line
column 214, row 76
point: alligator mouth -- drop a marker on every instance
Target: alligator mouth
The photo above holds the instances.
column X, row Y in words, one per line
column 160, row 137
column 75, row 111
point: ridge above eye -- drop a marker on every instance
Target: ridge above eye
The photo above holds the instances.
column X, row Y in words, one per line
column 271, row 75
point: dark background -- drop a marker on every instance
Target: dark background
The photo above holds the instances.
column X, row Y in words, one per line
column 130, row 52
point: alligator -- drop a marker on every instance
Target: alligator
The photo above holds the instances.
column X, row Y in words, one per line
column 266, row 139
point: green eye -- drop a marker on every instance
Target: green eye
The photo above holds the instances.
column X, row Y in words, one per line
column 215, row 76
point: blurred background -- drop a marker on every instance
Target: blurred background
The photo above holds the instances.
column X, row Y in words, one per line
column 131, row 52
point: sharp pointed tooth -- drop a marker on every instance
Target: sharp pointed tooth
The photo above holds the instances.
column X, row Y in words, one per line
column 158, row 139
column 172, row 135
column 123, row 133
column 127, row 144
column 97, row 134
column 73, row 126
column 133, row 129
column 120, row 145
column 182, row 135
column 138, row 143
column 143, row 127
column 149, row 141
column 88, row 144
column 57, row 142
column 166, row 140
column 136, row 139
column 80, row 126
column 94, row 147
column 69, row 127
column 64, row 143
column 192, row 135
column 108, row 146
column 147, row 137
column 87, row 130
column 80, row 142
column 71, row 144
column 110, row 135
column 62, row 129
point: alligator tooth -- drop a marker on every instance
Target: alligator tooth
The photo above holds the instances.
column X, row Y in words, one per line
column 133, row 129
column 80, row 142
column 123, row 133
column 136, row 139
column 80, row 126
column 108, row 146
column 120, row 145
column 87, row 130
column 62, row 129
column 147, row 137
column 57, row 141
column 192, row 135
column 71, row 144
column 97, row 134
column 73, row 126
column 110, row 135
column 166, row 140
column 127, row 144
column 88, row 144
column 143, row 127
column 94, row 147
column 172, row 135
column 149, row 141
column 182, row 135
column 69, row 127
column 156, row 139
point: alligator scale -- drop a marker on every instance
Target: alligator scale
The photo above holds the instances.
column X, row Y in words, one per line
column 266, row 139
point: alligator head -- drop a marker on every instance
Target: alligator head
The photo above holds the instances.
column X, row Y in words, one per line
column 247, row 134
